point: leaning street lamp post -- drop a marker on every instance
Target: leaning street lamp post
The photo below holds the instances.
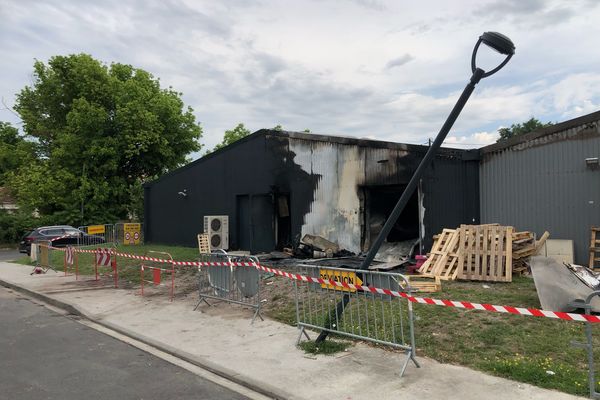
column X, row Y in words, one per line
column 502, row 45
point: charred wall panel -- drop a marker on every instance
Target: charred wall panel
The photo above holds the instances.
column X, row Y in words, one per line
column 450, row 188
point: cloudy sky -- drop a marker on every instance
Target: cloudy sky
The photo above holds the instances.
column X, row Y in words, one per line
column 388, row 70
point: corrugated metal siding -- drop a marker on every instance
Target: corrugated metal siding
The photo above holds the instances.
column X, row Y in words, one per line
column 450, row 196
column 545, row 185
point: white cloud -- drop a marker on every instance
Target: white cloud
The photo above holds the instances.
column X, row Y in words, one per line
column 475, row 140
column 321, row 65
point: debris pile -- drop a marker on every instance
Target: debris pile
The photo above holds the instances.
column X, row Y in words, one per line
column 313, row 246
column 488, row 252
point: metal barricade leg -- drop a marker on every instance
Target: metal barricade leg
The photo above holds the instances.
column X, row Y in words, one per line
column 301, row 328
column 589, row 345
column 201, row 298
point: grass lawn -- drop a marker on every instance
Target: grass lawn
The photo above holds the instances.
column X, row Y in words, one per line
column 526, row 349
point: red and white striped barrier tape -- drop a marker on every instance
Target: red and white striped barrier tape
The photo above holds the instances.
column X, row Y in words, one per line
column 534, row 312
column 61, row 237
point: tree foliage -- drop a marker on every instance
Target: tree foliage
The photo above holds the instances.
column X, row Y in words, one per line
column 521, row 129
column 101, row 132
column 233, row 135
column 15, row 151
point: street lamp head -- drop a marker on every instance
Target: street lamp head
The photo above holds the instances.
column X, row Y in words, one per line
column 499, row 43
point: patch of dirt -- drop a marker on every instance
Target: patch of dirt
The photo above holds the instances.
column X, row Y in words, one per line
column 278, row 293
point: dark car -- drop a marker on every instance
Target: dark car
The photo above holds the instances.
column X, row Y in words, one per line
column 60, row 235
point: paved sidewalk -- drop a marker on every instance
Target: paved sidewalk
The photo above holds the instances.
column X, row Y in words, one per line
column 263, row 355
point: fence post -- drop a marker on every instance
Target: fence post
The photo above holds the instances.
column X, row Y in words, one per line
column 96, row 263
column 114, row 266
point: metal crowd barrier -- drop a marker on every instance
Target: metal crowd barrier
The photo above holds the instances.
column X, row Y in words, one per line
column 95, row 235
column 589, row 344
column 378, row 318
column 232, row 284
column 44, row 255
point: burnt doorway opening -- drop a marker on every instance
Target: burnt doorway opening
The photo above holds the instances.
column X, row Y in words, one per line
column 379, row 201
column 284, row 221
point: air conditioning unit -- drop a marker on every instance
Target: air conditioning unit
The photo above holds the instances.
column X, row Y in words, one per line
column 217, row 227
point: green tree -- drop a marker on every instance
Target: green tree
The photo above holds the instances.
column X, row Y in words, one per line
column 15, row 151
column 233, row 135
column 277, row 128
column 102, row 131
column 521, row 129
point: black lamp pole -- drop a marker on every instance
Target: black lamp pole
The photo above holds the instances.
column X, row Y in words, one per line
column 496, row 41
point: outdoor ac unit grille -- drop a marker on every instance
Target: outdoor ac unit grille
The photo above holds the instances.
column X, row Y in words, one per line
column 215, row 224
column 217, row 228
column 215, row 241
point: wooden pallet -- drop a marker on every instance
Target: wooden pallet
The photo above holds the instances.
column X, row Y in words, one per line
column 203, row 243
column 485, row 253
column 424, row 284
column 594, row 247
column 442, row 260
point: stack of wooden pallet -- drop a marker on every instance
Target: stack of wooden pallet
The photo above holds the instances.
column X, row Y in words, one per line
column 525, row 246
column 480, row 252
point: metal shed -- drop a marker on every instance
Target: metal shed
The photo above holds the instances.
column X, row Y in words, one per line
column 277, row 186
column 546, row 180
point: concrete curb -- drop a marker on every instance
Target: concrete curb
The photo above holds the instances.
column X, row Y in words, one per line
column 252, row 384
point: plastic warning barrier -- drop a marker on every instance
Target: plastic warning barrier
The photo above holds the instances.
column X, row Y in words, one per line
column 106, row 258
column 71, row 262
column 154, row 264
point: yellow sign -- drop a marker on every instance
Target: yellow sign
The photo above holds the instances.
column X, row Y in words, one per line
column 95, row 229
column 133, row 233
column 339, row 276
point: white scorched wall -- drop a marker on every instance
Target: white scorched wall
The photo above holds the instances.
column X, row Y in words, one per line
column 335, row 211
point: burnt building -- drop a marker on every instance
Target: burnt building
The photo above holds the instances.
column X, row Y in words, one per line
column 277, row 186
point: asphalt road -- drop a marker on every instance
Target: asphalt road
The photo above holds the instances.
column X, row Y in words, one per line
column 45, row 355
column 10, row 254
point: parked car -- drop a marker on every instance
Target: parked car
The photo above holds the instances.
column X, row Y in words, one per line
column 51, row 233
